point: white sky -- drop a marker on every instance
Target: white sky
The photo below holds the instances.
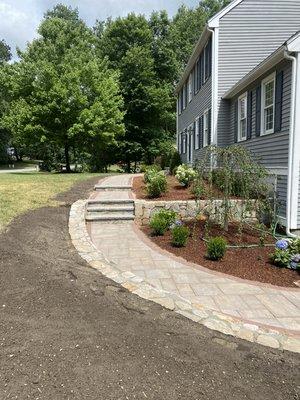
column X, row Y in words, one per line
column 19, row 19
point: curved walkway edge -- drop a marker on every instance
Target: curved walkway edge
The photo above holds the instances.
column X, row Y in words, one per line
column 196, row 312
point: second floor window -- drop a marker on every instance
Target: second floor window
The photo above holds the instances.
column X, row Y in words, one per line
column 242, row 117
column 268, row 103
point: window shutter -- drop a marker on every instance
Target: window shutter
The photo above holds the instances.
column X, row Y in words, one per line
column 201, row 126
column 194, row 135
column 195, row 79
column 236, row 112
column 258, row 111
column 209, row 126
column 249, row 114
column 278, row 101
column 181, row 143
column 202, row 70
column 186, row 94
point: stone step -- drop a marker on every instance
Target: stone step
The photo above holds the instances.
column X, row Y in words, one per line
column 113, row 217
column 110, row 208
column 110, row 202
column 111, row 188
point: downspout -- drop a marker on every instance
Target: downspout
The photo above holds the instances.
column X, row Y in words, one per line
column 288, row 56
column 214, row 90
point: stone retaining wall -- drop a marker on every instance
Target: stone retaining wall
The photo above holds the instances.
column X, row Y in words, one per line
column 189, row 209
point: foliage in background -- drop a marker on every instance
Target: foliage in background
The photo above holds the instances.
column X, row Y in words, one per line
column 175, row 162
column 62, row 93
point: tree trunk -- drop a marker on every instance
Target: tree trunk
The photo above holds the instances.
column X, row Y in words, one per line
column 67, row 158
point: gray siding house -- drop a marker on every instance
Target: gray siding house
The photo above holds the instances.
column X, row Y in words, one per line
column 242, row 85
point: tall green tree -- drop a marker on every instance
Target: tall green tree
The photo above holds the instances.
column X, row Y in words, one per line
column 128, row 43
column 5, row 57
column 64, row 95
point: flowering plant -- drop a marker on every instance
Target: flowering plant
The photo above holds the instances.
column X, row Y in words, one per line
column 176, row 223
column 287, row 254
column 185, row 175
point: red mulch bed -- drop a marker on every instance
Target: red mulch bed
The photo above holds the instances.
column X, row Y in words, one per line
column 175, row 190
column 246, row 263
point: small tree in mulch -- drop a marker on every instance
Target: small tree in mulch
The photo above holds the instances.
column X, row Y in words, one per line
column 235, row 173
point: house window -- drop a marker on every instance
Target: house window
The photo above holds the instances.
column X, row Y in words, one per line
column 190, row 88
column 268, row 104
column 197, row 134
column 205, row 128
column 242, row 117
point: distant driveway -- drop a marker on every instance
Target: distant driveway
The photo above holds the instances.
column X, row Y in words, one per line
column 14, row 171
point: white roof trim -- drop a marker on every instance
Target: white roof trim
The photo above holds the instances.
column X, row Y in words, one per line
column 214, row 21
column 196, row 52
column 293, row 44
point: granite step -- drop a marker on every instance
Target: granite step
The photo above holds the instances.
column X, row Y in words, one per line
column 110, row 208
column 112, row 188
column 109, row 217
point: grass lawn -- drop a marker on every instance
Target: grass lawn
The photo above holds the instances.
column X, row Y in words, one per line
column 20, row 192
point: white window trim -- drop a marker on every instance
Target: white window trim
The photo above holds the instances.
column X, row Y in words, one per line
column 243, row 96
column 205, row 127
column 190, row 88
column 197, row 133
column 268, row 79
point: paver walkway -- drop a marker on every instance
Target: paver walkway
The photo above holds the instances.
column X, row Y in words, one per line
column 124, row 245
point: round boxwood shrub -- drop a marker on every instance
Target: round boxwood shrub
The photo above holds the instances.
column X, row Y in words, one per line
column 180, row 234
column 216, row 248
column 161, row 221
column 150, row 172
column 157, row 185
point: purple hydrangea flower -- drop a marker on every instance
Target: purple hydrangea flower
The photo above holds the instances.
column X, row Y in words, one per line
column 282, row 244
column 176, row 223
column 294, row 265
column 296, row 258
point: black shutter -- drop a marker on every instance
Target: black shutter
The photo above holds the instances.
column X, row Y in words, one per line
column 181, row 143
column 194, row 135
column 209, row 127
column 236, row 117
column 278, row 101
column 186, row 94
column 202, row 69
column 258, row 111
column 249, row 114
column 195, row 79
column 201, row 126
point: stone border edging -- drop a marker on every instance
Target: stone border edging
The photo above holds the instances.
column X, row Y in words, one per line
column 195, row 311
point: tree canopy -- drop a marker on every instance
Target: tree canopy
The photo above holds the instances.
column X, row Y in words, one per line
column 100, row 94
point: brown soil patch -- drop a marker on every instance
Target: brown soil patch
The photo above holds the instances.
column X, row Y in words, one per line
column 175, row 190
column 247, row 263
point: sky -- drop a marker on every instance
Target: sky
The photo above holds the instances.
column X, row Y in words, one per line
column 19, row 19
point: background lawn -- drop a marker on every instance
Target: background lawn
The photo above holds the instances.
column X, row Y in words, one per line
column 20, row 192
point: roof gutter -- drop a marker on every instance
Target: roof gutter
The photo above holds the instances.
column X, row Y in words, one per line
column 294, row 61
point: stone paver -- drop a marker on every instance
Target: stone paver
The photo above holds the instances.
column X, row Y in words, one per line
column 267, row 315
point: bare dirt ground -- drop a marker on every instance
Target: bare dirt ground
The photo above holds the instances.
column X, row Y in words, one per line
column 66, row 332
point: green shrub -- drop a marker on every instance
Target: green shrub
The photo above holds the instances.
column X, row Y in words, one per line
column 216, row 248
column 185, row 175
column 150, row 172
column 198, row 189
column 287, row 254
column 161, row 221
column 157, row 185
column 175, row 162
column 180, row 235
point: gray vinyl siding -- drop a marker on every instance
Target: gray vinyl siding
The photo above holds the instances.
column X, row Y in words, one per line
column 271, row 150
column 249, row 33
column 200, row 102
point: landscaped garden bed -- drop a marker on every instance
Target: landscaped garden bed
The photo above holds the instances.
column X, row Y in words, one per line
column 222, row 215
column 247, row 263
